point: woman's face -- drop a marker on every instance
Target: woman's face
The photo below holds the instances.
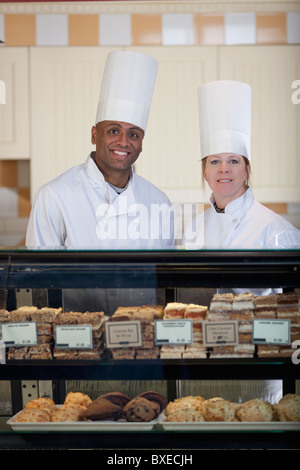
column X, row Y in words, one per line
column 226, row 174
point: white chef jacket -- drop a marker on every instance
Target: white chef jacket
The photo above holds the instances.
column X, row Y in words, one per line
column 246, row 224
column 79, row 209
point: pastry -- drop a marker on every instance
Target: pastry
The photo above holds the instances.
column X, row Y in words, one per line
column 221, row 302
column 69, row 412
column 117, row 398
column 288, row 408
column 255, row 410
column 265, row 306
column 218, row 409
column 42, row 403
column 154, row 397
column 174, row 310
column 77, row 398
column 243, row 301
column 195, row 312
column 139, row 410
column 185, row 414
column 103, row 409
column 33, row 415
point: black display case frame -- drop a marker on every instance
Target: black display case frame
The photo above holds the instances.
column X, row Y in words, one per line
column 169, row 270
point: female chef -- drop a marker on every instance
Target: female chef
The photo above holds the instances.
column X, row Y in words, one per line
column 235, row 219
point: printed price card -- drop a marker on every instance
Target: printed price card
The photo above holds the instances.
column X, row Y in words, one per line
column 271, row 331
column 19, row 334
column 73, row 336
column 173, row 332
column 220, row 333
column 123, row 334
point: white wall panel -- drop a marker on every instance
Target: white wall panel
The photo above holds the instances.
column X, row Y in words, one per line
column 65, row 85
column 170, row 158
column 14, row 114
column 270, row 70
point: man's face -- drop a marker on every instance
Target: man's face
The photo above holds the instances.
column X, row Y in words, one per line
column 118, row 145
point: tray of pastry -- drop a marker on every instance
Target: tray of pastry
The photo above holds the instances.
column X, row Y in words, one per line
column 112, row 411
column 105, row 425
column 219, row 426
column 195, row 413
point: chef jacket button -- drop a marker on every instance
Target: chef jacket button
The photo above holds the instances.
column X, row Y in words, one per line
column 234, row 220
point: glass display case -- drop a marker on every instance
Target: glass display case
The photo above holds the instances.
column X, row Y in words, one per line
column 91, row 281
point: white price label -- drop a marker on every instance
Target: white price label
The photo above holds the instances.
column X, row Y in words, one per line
column 173, row 332
column 271, row 331
column 73, row 337
column 19, row 334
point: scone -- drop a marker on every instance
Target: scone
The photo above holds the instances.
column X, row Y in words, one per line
column 140, row 409
column 255, row 410
column 69, row 412
column 78, row 398
column 42, row 403
column 194, row 401
column 218, row 409
column 288, row 408
column 185, row 414
column 33, row 415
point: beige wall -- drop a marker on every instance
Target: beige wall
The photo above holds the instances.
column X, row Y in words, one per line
column 194, row 41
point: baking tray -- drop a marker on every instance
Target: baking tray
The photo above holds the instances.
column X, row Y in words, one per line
column 218, row 426
column 120, row 425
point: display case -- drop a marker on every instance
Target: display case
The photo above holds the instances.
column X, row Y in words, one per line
column 90, row 280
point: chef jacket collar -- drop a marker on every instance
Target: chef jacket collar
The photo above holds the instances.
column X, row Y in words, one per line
column 119, row 204
column 238, row 206
column 95, row 174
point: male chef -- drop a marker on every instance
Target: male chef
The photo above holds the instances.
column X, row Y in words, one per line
column 102, row 203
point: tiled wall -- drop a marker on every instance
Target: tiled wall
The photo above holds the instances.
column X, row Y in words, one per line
column 125, row 24
column 167, row 29
column 14, row 201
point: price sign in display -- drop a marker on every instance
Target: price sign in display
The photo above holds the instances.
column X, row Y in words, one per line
column 220, row 333
column 173, row 332
column 19, row 334
column 123, row 334
column 73, row 336
column 271, row 331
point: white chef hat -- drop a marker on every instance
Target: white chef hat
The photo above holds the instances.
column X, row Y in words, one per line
column 127, row 88
column 224, row 108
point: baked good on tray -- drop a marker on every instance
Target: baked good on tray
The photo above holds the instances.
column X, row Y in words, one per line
column 140, row 409
column 288, row 408
column 218, row 409
column 255, row 410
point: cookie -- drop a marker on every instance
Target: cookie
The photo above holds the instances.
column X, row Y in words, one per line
column 140, row 409
column 154, row 397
